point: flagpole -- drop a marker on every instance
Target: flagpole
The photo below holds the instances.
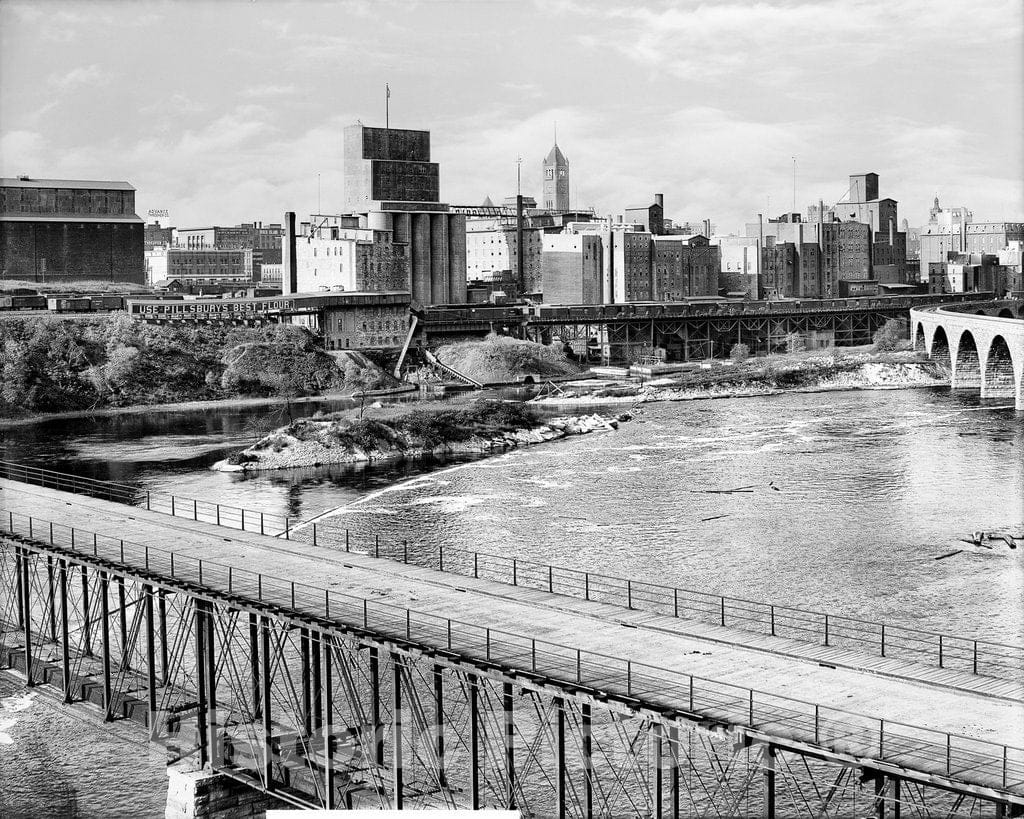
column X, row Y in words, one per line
column 387, row 105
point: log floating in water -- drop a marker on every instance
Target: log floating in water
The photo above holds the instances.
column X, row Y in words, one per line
column 948, row 554
column 713, row 517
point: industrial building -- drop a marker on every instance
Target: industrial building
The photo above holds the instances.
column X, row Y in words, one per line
column 391, row 186
column 54, row 230
column 346, row 321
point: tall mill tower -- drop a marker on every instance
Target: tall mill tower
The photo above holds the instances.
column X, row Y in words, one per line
column 556, row 180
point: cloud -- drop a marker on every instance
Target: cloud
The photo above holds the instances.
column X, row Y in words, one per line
column 23, row 152
column 81, row 76
column 270, row 91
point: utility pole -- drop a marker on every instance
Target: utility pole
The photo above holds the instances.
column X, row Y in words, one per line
column 387, row 105
column 318, row 210
column 794, row 185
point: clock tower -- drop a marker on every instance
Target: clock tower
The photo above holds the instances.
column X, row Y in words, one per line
column 556, row 180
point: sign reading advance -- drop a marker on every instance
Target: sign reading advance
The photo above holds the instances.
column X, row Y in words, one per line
column 160, row 214
column 211, row 309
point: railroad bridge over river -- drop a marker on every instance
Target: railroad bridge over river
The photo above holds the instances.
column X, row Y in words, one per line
column 982, row 343
column 324, row 673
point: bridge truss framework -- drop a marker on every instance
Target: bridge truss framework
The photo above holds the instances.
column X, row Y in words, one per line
column 321, row 712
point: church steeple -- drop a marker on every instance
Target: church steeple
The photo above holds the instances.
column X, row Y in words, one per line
column 556, row 179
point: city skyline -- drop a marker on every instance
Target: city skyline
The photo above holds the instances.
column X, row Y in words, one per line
column 707, row 105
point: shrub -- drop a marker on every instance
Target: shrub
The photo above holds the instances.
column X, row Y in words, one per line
column 739, row 353
column 889, row 337
column 795, row 343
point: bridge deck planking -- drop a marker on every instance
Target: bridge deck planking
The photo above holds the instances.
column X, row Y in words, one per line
column 882, row 688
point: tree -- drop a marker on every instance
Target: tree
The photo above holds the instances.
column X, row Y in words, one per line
column 361, row 380
column 739, row 353
column 795, row 343
column 889, row 337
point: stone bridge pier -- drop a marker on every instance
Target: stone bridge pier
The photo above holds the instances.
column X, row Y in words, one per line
column 981, row 343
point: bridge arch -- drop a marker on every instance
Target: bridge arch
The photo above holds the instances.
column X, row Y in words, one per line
column 940, row 352
column 920, row 342
column 1000, row 370
column 967, row 373
column 1006, row 312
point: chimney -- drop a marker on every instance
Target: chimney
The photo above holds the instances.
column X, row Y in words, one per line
column 289, row 269
column 707, row 228
column 890, row 233
column 659, row 200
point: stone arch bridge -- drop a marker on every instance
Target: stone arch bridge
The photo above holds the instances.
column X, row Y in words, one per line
column 982, row 343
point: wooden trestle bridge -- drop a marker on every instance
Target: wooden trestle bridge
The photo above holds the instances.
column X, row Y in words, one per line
column 331, row 674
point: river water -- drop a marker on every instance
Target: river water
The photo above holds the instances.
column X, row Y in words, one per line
column 852, row 497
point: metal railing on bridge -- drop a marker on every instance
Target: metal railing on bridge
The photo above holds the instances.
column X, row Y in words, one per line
column 947, row 651
column 938, row 753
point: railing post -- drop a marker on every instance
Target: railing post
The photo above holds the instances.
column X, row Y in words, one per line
column 147, row 500
column 949, row 755
column 218, row 517
column 366, row 613
column 750, row 720
column 229, row 577
column 773, row 620
column 293, row 594
column 579, row 667
column 476, row 556
column 449, row 634
column 586, row 585
column 172, row 564
column 122, row 551
column 327, row 602
column 488, row 636
column 440, row 557
column 261, row 523
column 940, row 651
column 147, row 556
column 723, row 609
column 200, row 571
column 314, row 535
column 533, row 654
column 514, row 572
column 675, row 602
column 172, row 506
column 195, row 509
column 346, row 540
column 629, row 678
column 817, row 730
column 826, row 629
column 551, row 579
column 881, row 739
column 629, row 593
column 975, row 656
column 883, row 639
column 287, row 535
column 259, row 586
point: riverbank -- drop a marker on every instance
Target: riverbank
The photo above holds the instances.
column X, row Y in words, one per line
column 807, row 372
column 485, row 427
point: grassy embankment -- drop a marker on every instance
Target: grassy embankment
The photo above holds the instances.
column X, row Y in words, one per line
column 56, row 364
column 500, row 359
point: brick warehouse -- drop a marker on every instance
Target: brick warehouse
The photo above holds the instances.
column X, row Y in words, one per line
column 70, row 230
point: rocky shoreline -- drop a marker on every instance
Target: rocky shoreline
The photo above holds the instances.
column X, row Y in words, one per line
column 865, row 376
column 281, row 450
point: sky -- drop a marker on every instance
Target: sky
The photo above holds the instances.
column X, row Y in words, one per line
column 229, row 111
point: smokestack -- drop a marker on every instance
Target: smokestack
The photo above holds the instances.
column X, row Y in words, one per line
column 707, row 228
column 659, row 200
column 890, row 233
column 520, row 255
column 760, row 244
column 821, row 219
column 289, row 269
